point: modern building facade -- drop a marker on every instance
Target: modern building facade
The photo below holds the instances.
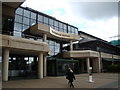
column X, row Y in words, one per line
column 33, row 45
column 28, row 37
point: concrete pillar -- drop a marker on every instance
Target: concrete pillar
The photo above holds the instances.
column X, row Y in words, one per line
column 71, row 45
column 44, row 37
column 5, row 64
column 40, row 65
column 99, row 64
column 95, row 64
column 88, row 64
column 45, row 66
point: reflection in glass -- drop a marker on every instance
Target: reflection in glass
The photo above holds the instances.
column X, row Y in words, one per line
column 51, row 42
column 40, row 18
column 60, row 25
column 50, row 22
column 26, row 13
column 26, row 21
column 56, row 23
column 65, row 26
column 18, row 26
column 45, row 20
column 25, row 27
column 19, row 11
column 16, row 33
column 18, row 18
column 32, row 22
column 33, row 15
column 57, row 49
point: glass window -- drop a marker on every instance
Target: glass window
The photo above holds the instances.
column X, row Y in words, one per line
column 39, row 39
column 50, row 22
column 69, row 29
column 52, row 52
column 17, row 26
column 33, row 15
column 65, row 26
column 25, row 27
column 46, row 20
column 32, row 22
column 52, row 26
column 19, row 11
column 51, row 42
column 56, row 53
column 40, row 22
column 26, row 21
column 76, row 31
column 60, row 29
column 26, row 13
column 73, row 30
column 18, row 18
column 56, row 23
column 17, row 33
column 60, row 25
column 65, row 30
column 40, row 18
column 52, row 48
column 57, row 49
column 56, row 28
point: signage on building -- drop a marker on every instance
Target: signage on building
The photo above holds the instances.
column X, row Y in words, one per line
column 60, row 34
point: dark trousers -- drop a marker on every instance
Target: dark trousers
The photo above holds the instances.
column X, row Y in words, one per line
column 71, row 83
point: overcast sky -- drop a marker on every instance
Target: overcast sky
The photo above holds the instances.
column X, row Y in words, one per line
column 99, row 19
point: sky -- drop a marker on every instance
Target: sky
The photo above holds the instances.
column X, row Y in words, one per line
column 97, row 18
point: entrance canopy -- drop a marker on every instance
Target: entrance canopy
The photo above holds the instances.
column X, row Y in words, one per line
column 40, row 29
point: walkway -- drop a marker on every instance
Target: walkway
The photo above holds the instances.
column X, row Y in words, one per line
column 102, row 80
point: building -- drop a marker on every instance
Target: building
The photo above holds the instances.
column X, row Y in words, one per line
column 115, row 42
column 98, row 52
column 28, row 37
column 33, row 45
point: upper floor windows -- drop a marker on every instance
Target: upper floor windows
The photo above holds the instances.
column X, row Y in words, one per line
column 19, row 11
column 29, row 18
column 26, row 13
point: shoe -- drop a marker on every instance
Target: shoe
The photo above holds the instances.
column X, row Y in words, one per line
column 72, row 86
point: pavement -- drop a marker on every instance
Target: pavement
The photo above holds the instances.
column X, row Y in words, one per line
column 101, row 80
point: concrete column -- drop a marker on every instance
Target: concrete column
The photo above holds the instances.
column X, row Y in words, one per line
column 88, row 64
column 45, row 66
column 44, row 37
column 99, row 65
column 40, row 65
column 95, row 64
column 71, row 45
column 5, row 64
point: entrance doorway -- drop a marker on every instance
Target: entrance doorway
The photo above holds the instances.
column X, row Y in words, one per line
column 22, row 67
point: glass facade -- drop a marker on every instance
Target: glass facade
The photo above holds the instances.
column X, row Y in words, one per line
column 58, row 67
column 25, row 17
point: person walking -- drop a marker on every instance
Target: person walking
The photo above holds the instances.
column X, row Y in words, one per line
column 70, row 76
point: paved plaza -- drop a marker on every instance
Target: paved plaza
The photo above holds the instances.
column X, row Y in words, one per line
column 101, row 80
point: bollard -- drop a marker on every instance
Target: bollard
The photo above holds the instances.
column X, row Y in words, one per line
column 90, row 75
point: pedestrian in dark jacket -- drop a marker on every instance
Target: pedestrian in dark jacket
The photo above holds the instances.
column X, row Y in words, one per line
column 70, row 76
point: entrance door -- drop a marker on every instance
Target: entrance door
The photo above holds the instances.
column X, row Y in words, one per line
column 22, row 67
